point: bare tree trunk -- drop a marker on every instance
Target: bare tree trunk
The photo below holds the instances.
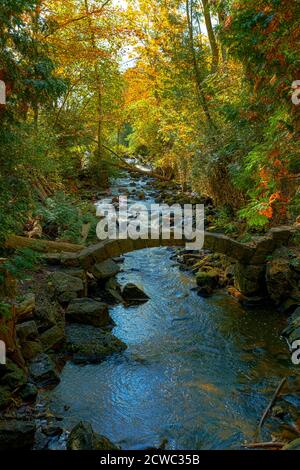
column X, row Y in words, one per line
column 197, row 73
column 99, row 153
column 211, row 36
column 221, row 18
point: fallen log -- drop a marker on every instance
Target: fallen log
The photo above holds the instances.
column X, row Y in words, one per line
column 133, row 169
column 123, row 165
column 43, row 246
column 265, row 445
column 269, row 407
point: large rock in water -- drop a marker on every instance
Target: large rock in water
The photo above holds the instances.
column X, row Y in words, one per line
column 82, row 437
column 43, row 372
column 113, row 291
column 132, row 294
column 105, row 270
column 90, row 344
column 88, row 312
column 17, row 435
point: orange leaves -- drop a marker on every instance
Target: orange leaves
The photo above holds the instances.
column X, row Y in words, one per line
column 228, row 22
column 274, row 197
column 268, row 212
column 270, row 176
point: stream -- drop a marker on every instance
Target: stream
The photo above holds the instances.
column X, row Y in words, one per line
column 198, row 372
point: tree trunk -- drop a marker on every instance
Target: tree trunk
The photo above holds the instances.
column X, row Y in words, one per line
column 197, row 74
column 221, row 18
column 103, row 177
column 211, row 36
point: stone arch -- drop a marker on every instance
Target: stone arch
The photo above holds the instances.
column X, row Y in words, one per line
column 251, row 258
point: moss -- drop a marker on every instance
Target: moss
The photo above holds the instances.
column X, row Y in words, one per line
column 13, row 377
column 207, row 278
column 5, row 397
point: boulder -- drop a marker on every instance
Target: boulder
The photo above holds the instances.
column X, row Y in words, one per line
column 249, row 279
column 207, row 279
column 17, row 435
column 279, row 279
column 205, row 291
column 29, row 392
column 283, row 278
column 113, row 291
column 133, row 294
column 88, row 312
column 105, row 270
column 28, row 336
column 90, row 344
column 52, row 338
column 82, row 437
column 27, row 330
column 65, row 284
column 43, row 372
column 30, row 349
column 66, row 297
column 48, row 315
column 11, row 376
column 51, row 430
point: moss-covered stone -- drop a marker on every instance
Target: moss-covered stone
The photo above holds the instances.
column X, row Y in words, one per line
column 82, row 437
column 88, row 312
column 208, row 278
column 90, row 344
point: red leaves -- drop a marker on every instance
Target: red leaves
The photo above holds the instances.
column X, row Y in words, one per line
column 268, row 212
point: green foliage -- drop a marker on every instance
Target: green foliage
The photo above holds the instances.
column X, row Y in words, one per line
column 223, row 220
column 23, row 261
column 66, row 216
column 5, row 311
column 251, row 213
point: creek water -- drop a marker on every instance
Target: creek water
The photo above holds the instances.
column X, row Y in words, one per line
column 198, row 372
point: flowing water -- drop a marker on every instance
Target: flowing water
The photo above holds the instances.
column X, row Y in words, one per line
column 198, row 372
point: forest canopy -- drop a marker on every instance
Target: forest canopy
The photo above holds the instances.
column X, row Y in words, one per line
column 201, row 90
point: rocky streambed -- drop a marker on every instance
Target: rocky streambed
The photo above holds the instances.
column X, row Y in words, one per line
column 151, row 348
